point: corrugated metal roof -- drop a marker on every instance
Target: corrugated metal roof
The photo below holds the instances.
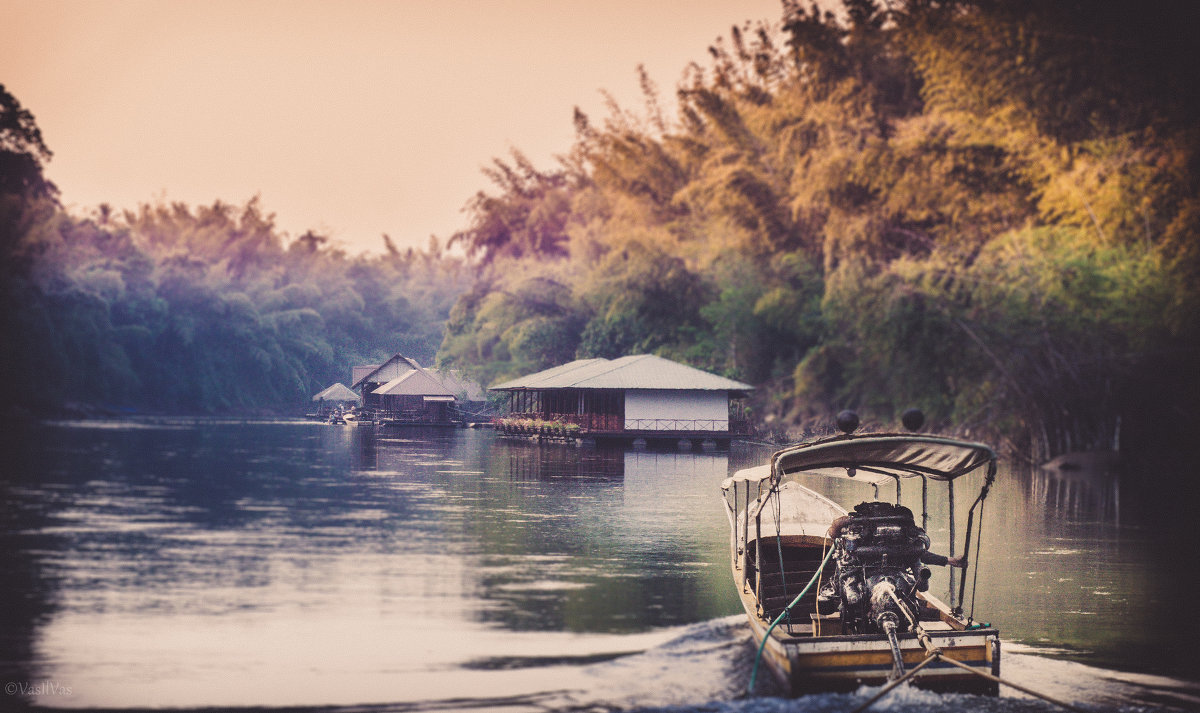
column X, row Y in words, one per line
column 413, row 383
column 641, row 371
column 553, row 372
column 337, row 392
column 396, row 359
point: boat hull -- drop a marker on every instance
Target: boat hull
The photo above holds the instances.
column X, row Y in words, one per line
column 810, row 664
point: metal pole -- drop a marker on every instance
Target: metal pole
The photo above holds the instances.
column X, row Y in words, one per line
column 950, row 497
column 746, row 533
column 924, row 503
column 758, row 551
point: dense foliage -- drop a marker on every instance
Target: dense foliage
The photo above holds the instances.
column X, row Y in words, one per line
column 182, row 309
column 985, row 208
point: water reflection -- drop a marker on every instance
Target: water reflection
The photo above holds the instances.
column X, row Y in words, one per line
column 275, row 564
column 188, row 557
column 26, row 603
column 1078, row 488
column 588, row 539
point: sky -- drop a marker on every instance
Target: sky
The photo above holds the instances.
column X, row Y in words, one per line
column 352, row 118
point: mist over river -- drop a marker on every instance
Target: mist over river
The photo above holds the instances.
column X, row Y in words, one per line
column 200, row 564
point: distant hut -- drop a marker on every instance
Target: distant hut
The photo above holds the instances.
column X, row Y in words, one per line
column 641, row 396
column 337, row 396
column 401, row 392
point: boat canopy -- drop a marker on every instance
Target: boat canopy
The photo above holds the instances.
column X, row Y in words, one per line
column 874, row 459
column 756, row 474
column 883, row 457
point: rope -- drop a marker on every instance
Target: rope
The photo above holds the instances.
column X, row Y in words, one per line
column 782, row 614
column 1010, row 684
column 937, row 655
column 975, row 575
column 979, row 501
column 892, row 684
column 962, row 576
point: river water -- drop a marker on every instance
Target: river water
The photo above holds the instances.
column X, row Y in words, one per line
column 289, row 564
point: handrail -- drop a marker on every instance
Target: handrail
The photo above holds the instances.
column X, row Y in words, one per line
column 612, row 422
column 677, row 424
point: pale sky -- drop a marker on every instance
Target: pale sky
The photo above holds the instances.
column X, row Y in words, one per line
column 352, row 118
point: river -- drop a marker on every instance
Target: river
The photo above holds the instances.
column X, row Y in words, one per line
column 211, row 564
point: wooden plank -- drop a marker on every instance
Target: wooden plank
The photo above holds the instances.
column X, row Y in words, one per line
column 870, row 661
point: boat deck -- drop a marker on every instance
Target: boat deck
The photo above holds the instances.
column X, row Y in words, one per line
column 809, row 652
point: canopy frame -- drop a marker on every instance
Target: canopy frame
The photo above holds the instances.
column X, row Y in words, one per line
column 911, row 456
column 887, row 455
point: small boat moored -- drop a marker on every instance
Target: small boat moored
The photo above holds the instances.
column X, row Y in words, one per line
column 866, row 615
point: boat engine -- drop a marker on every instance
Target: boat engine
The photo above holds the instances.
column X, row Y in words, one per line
column 877, row 551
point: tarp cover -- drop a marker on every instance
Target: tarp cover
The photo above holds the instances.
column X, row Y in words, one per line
column 880, row 458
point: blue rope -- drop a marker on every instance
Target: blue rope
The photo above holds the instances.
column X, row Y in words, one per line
column 782, row 614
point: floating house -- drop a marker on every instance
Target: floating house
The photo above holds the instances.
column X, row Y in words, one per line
column 401, row 392
column 641, row 396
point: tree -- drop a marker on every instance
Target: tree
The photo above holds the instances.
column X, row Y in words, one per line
column 529, row 216
column 22, row 151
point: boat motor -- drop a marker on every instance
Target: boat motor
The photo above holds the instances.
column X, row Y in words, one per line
column 877, row 550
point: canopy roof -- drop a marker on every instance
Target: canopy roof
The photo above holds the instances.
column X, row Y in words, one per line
column 337, row 392
column 884, row 457
column 875, row 458
column 640, row 371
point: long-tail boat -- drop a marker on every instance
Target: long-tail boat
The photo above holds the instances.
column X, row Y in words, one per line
column 840, row 598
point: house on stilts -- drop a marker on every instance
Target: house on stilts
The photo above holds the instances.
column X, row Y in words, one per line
column 399, row 392
column 634, row 397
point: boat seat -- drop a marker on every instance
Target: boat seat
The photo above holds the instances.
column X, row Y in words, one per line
column 796, row 629
column 827, row 624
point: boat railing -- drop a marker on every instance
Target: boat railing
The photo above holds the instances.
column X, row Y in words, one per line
column 740, row 509
column 614, row 423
